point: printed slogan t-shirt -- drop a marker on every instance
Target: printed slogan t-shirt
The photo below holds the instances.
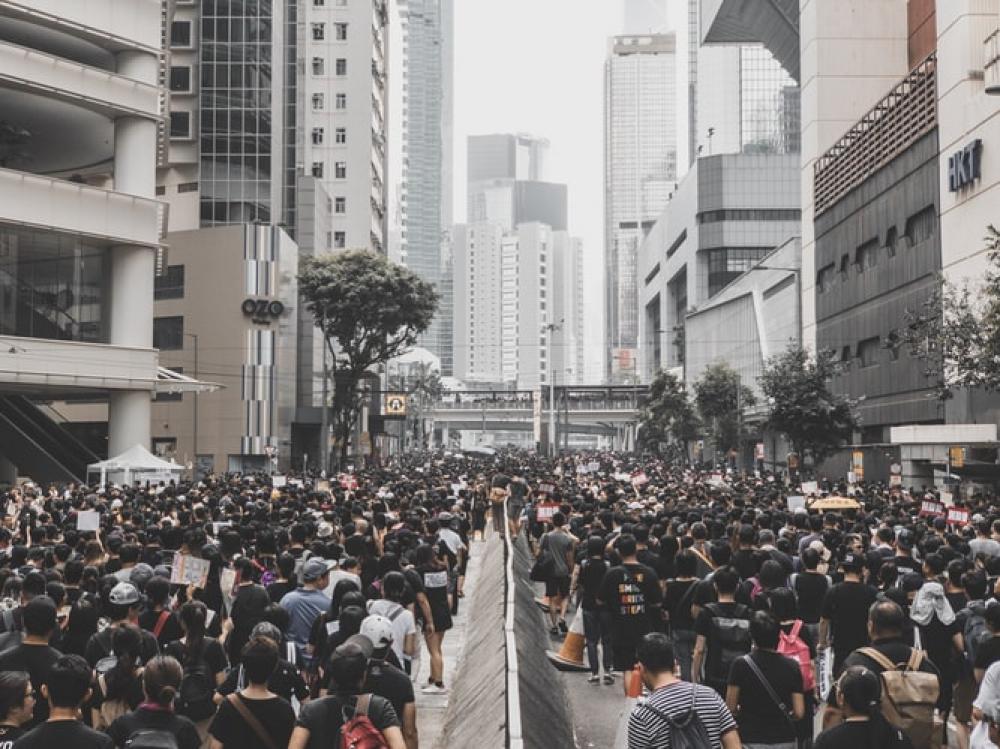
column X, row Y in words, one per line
column 631, row 593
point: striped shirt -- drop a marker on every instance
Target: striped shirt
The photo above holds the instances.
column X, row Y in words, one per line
column 647, row 730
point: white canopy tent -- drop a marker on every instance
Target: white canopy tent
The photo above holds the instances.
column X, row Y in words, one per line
column 135, row 464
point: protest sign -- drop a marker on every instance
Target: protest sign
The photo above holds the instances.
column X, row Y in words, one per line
column 810, row 487
column 189, row 570
column 546, row 488
column 928, row 507
column 958, row 516
column 546, row 510
column 796, row 502
column 88, row 520
column 278, row 481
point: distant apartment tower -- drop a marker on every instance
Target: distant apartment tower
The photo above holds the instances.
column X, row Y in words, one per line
column 343, row 102
column 567, row 309
column 478, row 295
column 640, row 153
column 426, row 46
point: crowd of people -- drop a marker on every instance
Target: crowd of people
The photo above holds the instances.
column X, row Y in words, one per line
column 747, row 619
column 234, row 611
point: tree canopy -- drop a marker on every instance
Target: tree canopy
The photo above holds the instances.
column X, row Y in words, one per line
column 667, row 416
column 722, row 402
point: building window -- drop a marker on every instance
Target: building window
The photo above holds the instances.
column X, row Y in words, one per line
column 180, row 35
column 341, row 135
column 921, row 226
column 341, row 66
column 161, row 189
column 339, row 240
column 317, row 100
column 340, row 205
column 341, row 101
column 187, row 187
column 180, row 125
column 341, row 29
column 317, row 136
column 164, row 447
column 318, row 66
column 868, row 352
column 319, row 32
column 890, row 241
column 824, row 279
column 845, row 263
column 867, row 255
column 170, row 285
column 319, row 3
column 340, row 170
column 317, row 169
column 180, row 79
column 168, row 333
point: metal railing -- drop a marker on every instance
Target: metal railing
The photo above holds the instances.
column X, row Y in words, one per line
column 904, row 115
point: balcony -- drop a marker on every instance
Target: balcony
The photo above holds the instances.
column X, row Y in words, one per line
column 112, row 24
column 75, row 208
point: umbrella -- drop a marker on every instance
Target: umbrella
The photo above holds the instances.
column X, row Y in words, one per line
column 835, row 503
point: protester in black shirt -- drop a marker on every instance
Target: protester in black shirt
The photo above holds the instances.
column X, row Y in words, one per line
column 232, row 728
column 17, row 704
column 34, row 654
column 845, row 612
column 710, row 651
column 587, row 578
column 285, row 681
column 157, row 618
column 66, row 688
column 810, row 588
column 286, row 578
column 161, row 681
column 677, row 600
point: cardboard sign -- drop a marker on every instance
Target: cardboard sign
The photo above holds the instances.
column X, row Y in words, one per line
column 278, row 481
column 88, row 520
column 810, row 487
column 189, row 570
column 958, row 516
column 796, row 502
column 929, row 508
column 546, row 510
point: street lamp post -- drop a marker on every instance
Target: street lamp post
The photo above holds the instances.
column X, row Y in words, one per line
column 194, row 337
column 551, row 327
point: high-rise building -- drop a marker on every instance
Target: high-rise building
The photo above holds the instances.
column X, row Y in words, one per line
column 567, row 309
column 640, row 156
column 82, row 100
column 478, row 293
column 426, row 100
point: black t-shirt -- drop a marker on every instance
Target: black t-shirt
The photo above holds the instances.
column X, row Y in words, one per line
column 846, row 605
column 631, row 593
column 761, row 721
column 747, row 562
column 8, row 735
column 589, row 580
column 388, row 681
column 170, row 631
column 99, row 646
column 210, row 652
column 278, row 589
column 286, row 682
column 988, row 653
column 230, row 728
column 677, row 601
column 324, row 717
column 859, row 734
column 810, row 588
column 155, row 720
column 64, row 733
column 36, row 660
column 652, row 560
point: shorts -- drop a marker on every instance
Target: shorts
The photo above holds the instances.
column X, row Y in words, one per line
column 965, row 692
column 514, row 510
column 557, row 586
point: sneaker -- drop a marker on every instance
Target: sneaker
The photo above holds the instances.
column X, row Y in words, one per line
column 609, row 678
column 562, row 626
column 434, row 689
column 594, row 679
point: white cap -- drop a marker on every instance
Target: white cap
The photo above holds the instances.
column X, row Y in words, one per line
column 378, row 629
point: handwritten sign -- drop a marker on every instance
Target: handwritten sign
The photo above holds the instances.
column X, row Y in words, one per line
column 189, row 570
column 810, row 487
column 957, row 516
column 278, row 481
column 88, row 520
column 927, row 507
column 796, row 502
column 546, row 510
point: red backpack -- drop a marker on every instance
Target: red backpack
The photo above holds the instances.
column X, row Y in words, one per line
column 359, row 732
column 794, row 647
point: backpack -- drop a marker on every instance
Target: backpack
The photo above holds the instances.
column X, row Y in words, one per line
column 686, row 730
column 909, row 697
column 975, row 632
column 358, row 732
column 728, row 639
column 110, row 710
column 194, row 698
column 794, row 647
column 148, row 738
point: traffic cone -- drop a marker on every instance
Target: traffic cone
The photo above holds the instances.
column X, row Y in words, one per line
column 570, row 655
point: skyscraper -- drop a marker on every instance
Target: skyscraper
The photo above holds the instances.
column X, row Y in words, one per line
column 640, row 154
column 426, row 47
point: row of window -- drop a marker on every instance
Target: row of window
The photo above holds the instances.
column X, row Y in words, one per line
column 750, row 214
column 868, row 353
column 920, row 227
column 339, row 169
column 339, row 31
column 319, row 66
column 319, row 102
column 319, row 135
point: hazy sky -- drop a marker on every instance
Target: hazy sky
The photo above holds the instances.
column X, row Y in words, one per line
column 537, row 66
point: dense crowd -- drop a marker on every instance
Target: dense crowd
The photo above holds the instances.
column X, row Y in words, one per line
column 235, row 611
column 746, row 621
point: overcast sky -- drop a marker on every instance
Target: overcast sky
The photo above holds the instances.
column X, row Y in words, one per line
column 537, row 66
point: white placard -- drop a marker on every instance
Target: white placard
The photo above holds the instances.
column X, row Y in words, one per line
column 189, row 570
column 810, row 487
column 278, row 481
column 88, row 520
column 796, row 502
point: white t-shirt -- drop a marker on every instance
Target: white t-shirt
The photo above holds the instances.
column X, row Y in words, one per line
column 402, row 625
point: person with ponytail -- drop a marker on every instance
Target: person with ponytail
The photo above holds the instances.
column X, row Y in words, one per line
column 118, row 689
column 859, row 697
column 161, row 682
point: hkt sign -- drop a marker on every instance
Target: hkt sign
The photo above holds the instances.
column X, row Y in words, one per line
column 965, row 166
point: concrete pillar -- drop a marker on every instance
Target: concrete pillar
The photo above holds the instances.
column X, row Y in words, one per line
column 8, row 472
column 132, row 268
column 444, row 436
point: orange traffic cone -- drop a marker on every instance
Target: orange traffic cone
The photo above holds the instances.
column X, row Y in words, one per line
column 570, row 655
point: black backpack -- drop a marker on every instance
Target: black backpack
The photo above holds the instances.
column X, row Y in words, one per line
column 686, row 730
column 728, row 639
column 194, row 698
column 151, row 738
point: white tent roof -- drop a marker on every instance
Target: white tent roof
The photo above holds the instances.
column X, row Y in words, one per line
column 136, row 458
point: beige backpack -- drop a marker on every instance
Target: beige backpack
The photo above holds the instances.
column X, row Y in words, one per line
column 909, row 697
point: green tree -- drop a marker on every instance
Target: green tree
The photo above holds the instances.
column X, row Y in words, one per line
column 722, row 402
column 369, row 311
column 956, row 331
column 815, row 420
column 667, row 416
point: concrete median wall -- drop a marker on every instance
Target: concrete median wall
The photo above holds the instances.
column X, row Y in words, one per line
column 476, row 717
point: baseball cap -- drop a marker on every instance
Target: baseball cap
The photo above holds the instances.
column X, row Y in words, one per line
column 378, row 629
column 124, row 594
column 141, row 574
column 325, row 530
column 315, row 568
column 852, row 562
